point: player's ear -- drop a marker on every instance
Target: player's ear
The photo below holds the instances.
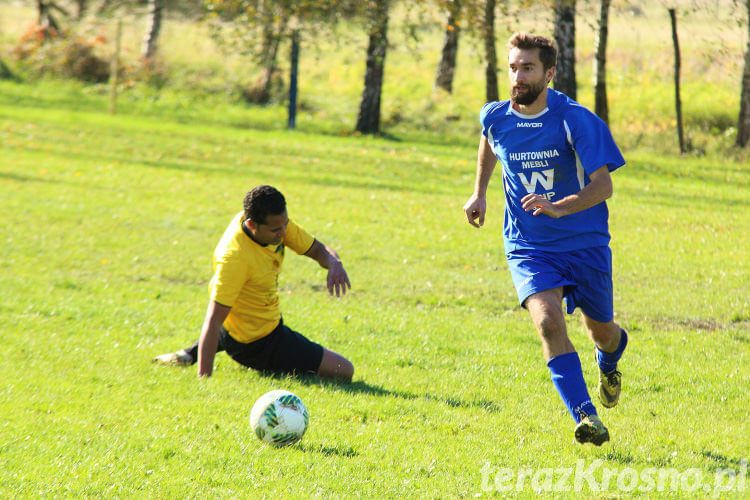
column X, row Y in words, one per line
column 251, row 225
column 550, row 74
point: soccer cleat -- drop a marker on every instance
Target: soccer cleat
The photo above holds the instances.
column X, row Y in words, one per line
column 179, row 358
column 609, row 388
column 591, row 430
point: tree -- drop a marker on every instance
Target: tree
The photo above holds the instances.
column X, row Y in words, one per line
column 677, row 64
column 45, row 18
column 490, row 55
column 368, row 119
column 565, row 37
column 743, row 123
column 601, row 107
column 447, row 67
column 257, row 27
column 82, row 7
column 148, row 48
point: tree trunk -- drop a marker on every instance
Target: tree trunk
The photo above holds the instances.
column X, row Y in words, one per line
column 114, row 72
column 565, row 37
column 743, row 124
column 368, row 120
column 148, row 48
column 261, row 93
column 447, row 66
column 45, row 19
column 601, row 108
column 490, row 55
column 677, row 64
column 82, row 6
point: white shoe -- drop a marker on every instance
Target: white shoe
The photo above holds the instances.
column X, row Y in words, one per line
column 179, row 358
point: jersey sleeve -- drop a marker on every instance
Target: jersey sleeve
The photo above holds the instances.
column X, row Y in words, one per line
column 297, row 238
column 228, row 279
column 592, row 141
column 486, row 109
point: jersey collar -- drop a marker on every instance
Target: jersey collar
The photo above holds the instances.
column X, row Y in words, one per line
column 250, row 234
column 526, row 117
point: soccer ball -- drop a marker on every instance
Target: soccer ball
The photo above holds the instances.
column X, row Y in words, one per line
column 279, row 418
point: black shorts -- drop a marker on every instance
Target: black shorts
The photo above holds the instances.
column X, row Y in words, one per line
column 281, row 351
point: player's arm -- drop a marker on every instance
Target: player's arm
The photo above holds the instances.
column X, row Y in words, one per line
column 595, row 192
column 209, row 339
column 337, row 280
column 476, row 206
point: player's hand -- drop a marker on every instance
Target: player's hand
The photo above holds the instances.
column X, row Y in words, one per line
column 475, row 209
column 538, row 204
column 338, row 280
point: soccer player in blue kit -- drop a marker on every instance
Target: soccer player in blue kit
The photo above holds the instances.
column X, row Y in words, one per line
column 556, row 161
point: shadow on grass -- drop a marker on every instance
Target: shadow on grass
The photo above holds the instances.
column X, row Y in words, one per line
column 27, row 178
column 339, row 451
column 619, row 456
column 722, row 462
column 301, row 174
column 18, row 93
column 362, row 387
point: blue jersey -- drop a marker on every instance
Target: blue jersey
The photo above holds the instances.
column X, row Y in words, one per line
column 551, row 153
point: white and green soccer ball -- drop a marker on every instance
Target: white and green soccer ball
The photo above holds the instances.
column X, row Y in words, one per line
column 279, row 418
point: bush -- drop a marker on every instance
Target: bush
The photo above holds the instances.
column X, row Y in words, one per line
column 262, row 92
column 48, row 52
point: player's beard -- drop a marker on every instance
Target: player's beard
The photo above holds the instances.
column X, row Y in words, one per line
column 532, row 91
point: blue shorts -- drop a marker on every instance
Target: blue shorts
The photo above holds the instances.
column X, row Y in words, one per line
column 585, row 276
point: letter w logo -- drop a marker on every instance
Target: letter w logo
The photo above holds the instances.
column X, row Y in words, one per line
column 547, row 180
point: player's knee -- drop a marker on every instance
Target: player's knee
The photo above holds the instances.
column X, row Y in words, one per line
column 550, row 329
column 604, row 334
column 608, row 339
column 335, row 366
column 346, row 371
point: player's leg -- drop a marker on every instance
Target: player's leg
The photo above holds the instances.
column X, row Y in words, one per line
column 540, row 279
column 287, row 351
column 610, row 342
column 184, row 357
column 546, row 312
column 592, row 268
column 334, row 365
column 606, row 336
column 297, row 353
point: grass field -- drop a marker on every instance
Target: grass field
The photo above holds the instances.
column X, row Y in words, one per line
column 109, row 224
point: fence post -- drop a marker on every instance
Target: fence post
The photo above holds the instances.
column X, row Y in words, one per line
column 292, row 122
column 114, row 71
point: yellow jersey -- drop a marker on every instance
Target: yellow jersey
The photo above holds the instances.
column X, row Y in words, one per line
column 246, row 278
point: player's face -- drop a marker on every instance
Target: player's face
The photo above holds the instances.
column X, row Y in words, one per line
column 273, row 231
column 528, row 79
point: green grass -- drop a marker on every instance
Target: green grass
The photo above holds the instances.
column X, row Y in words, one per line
column 109, row 224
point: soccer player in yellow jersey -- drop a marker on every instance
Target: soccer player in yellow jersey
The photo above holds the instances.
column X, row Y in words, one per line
column 243, row 316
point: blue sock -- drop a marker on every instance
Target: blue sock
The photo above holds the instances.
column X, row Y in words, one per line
column 608, row 360
column 567, row 377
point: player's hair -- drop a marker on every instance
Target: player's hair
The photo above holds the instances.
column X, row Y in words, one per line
column 527, row 41
column 262, row 201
